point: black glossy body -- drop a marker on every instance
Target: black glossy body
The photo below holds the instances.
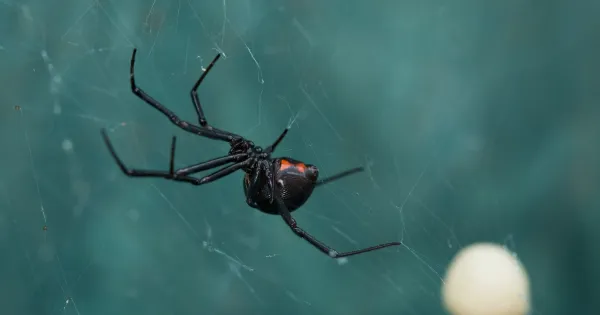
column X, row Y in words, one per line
column 272, row 185
column 295, row 182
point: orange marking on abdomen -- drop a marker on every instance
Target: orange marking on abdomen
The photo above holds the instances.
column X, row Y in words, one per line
column 301, row 167
column 285, row 164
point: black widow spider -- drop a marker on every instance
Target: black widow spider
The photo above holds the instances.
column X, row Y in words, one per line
column 275, row 186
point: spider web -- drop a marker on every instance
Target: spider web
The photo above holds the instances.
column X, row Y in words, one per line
column 87, row 240
column 81, row 238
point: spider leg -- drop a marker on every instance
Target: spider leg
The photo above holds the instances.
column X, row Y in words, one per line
column 205, row 132
column 271, row 184
column 199, row 167
column 196, row 99
column 181, row 175
column 339, row 175
column 273, row 146
column 257, row 181
column 224, row 172
column 291, row 222
column 194, row 92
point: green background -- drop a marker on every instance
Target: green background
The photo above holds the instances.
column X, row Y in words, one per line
column 477, row 121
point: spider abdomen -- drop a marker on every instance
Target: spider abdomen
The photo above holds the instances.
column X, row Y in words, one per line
column 294, row 183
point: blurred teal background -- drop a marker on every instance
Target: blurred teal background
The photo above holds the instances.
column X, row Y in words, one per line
column 477, row 121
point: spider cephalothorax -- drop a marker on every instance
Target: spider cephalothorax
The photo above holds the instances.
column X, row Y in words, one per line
column 272, row 185
column 241, row 145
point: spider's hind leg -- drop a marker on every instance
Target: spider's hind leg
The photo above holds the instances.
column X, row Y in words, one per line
column 339, row 175
column 325, row 249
